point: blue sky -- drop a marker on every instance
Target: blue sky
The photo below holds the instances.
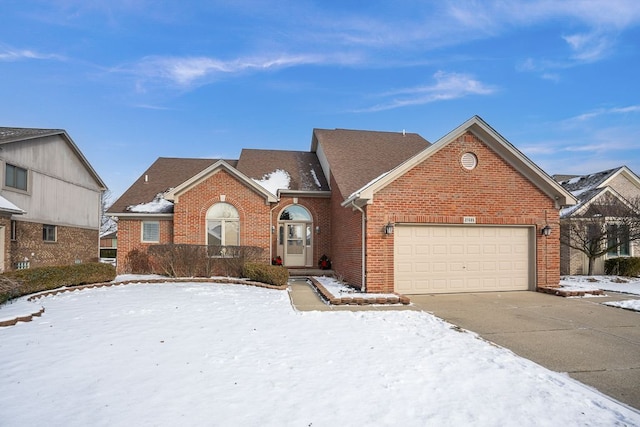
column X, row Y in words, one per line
column 133, row 80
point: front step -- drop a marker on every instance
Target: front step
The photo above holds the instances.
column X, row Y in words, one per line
column 306, row 272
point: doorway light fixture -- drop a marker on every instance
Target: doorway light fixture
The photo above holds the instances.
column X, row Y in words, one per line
column 388, row 229
column 546, row 231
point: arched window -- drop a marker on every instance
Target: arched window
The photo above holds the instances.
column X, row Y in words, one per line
column 223, row 225
column 295, row 213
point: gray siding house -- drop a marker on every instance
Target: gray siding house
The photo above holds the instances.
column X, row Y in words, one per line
column 50, row 200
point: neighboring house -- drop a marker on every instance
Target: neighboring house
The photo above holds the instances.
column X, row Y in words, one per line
column 109, row 247
column 393, row 212
column 49, row 200
column 619, row 185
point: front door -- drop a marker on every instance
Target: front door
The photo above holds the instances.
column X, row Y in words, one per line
column 295, row 243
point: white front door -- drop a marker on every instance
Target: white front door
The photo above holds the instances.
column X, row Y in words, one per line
column 295, row 254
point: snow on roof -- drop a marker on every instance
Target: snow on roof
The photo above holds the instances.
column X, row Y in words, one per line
column 315, row 178
column 158, row 205
column 6, row 205
column 274, row 181
column 574, row 180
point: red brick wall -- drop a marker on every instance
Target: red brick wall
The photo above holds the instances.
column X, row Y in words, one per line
column 130, row 238
column 441, row 191
column 190, row 211
column 71, row 244
column 346, row 238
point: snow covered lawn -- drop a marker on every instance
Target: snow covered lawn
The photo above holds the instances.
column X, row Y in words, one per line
column 627, row 285
column 212, row 354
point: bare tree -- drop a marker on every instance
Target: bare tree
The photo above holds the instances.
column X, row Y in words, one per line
column 607, row 225
column 107, row 224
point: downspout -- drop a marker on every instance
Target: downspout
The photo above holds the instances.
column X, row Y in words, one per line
column 272, row 230
column 364, row 241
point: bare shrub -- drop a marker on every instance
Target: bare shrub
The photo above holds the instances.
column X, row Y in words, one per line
column 183, row 260
column 137, row 262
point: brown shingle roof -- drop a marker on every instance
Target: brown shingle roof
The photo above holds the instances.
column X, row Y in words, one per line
column 300, row 165
column 357, row 157
column 165, row 173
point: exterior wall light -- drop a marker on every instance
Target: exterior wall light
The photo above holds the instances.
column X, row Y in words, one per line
column 388, row 229
column 317, row 229
column 546, row 231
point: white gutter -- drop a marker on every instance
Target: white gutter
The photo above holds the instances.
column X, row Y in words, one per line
column 364, row 241
column 272, row 230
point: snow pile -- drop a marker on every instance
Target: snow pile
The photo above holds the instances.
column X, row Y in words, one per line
column 158, row 205
column 274, row 181
column 632, row 304
column 209, row 354
column 340, row 290
column 627, row 285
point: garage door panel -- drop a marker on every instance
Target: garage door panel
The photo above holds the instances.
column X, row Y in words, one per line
column 441, row 259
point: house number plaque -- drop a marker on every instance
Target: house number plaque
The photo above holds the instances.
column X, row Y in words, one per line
column 469, row 220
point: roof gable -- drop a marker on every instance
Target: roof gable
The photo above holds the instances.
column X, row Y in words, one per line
column 174, row 193
column 591, row 187
column 9, row 135
column 164, row 174
column 489, row 137
column 591, row 198
column 355, row 157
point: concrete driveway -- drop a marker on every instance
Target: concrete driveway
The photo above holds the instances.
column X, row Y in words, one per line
column 595, row 344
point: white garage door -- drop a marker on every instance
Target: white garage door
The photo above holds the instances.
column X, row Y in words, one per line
column 446, row 259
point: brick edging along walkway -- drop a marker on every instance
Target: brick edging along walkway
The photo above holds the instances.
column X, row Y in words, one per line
column 28, row 318
column 361, row 299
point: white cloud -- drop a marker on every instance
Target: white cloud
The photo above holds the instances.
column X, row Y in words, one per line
column 187, row 71
column 447, row 86
column 581, row 118
column 10, row 54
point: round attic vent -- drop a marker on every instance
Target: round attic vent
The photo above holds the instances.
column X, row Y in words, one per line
column 469, row 161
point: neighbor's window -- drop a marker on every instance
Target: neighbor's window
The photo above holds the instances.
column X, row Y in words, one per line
column 223, row 225
column 15, row 177
column 49, row 233
column 151, row 231
column 618, row 236
column 14, row 230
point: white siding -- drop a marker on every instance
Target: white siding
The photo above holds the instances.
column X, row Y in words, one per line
column 61, row 189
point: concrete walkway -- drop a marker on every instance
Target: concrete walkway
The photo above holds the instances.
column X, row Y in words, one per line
column 595, row 344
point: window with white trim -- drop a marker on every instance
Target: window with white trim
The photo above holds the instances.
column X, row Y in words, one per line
column 223, row 225
column 151, row 231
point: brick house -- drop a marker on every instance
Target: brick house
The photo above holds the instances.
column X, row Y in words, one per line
column 393, row 212
column 614, row 186
column 49, row 200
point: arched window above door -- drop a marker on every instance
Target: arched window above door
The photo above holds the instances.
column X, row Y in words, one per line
column 223, row 225
column 295, row 213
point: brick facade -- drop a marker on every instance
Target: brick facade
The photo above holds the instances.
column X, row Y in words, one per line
column 441, row 191
column 72, row 245
column 257, row 219
column 130, row 237
column 437, row 191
